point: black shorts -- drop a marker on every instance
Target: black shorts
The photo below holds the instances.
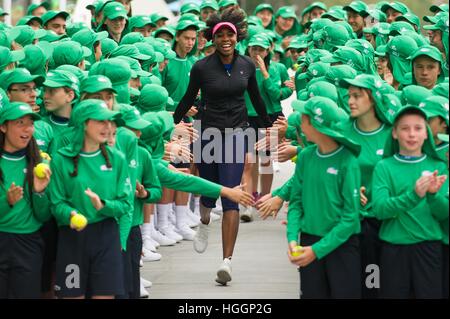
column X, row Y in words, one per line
column 89, row 261
column 335, row 276
column 134, row 248
column 20, row 265
column 49, row 232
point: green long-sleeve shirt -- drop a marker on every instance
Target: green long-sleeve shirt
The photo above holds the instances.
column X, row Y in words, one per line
column 372, row 148
column 27, row 215
column 43, row 133
column 175, row 78
column 325, row 198
column 406, row 218
column 112, row 185
column 270, row 90
column 185, row 182
column 147, row 176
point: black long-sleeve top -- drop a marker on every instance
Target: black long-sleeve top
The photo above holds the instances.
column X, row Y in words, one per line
column 223, row 93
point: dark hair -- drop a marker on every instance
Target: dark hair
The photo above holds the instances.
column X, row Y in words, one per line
column 77, row 158
column 179, row 32
column 33, row 158
column 232, row 15
column 409, row 111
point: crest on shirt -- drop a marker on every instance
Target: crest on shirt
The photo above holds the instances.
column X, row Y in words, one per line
column 105, row 168
column 380, row 151
column 332, row 171
column 427, row 173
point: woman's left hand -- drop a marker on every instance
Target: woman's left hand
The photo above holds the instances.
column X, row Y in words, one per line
column 262, row 66
column 95, row 199
column 40, row 184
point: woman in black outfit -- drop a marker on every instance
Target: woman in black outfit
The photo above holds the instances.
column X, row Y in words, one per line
column 223, row 77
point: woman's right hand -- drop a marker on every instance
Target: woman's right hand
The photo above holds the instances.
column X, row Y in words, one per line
column 270, row 207
column 14, row 194
column 362, row 197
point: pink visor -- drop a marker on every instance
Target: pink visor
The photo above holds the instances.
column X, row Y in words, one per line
column 224, row 24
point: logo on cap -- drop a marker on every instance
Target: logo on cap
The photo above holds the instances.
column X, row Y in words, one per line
column 24, row 108
column 445, row 106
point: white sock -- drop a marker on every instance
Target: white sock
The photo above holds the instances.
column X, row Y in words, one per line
column 146, row 229
column 181, row 215
column 163, row 215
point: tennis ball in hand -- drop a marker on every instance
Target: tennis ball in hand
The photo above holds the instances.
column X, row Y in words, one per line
column 45, row 156
column 39, row 170
column 296, row 251
column 78, row 220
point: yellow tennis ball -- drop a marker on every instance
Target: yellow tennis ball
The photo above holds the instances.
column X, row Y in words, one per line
column 39, row 170
column 78, row 220
column 45, row 156
column 297, row 251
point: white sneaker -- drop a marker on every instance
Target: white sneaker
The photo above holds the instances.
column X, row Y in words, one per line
column 162, row 239
column 148, row 243
column 215, row 216
column 186, row 232
column 146, row 283
column 171, row 233
column 144, row 292
column 149, row 255
column 201, row 238
column 141, row 262
column 246, row 214
column 193, row 219
column 276, row 166
column 224, row 272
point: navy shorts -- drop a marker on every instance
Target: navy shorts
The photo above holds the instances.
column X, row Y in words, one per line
column 20, row 265
column 49, row 233
column 222, row 161
column 131, row 260
column 89, row 262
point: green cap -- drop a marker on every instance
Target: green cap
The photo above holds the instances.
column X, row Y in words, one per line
column 4, row 100
column 209, row 4
column 411, row 18
column 338, row 72
column 334, row 36
column 164, row 47
column 36, row 57
column 397, row 6
column 400, row 27
column 96, row 83
column 443, row 137
column 189, row 7
column 7, row 56
column 91, row 109
column 263, row 6
column 34, row 6
column 70, row 52
column 335, row 14
column 298, row 42
column 167, row 29
column 74, row 27
column 326, row 117
column 184, row 24
column 314, row 70
column 313, row 5
column 399, row 49
column 147, row 49
column 439, row 8
column 80, row 74
column 436, row 106
column 51, row 14
column 114, row 10
column 119, row 72
column 346, row 55
column 140, row 21
column 435, row 18
column 254, row 20
column 414, row 94
column 441, row 89
column 286, row 12
column 384, row 108
column 441, row 24
column 260, row 41
column 429, row 51
column 377, row 14
column 88, row 37
column 132, row 38
column 18, row 75
column 129, row 50
column 226, row 3
column 51, row 36
column 16, row 110
column 100, row 5
column 155, row 17
column 25, row 34
column 153, row 98
column 324, row 89
column 108, row 45
column 59, row 78
column 131, row 117
column 136, row 69
column 28, row 19
column 357, row 6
